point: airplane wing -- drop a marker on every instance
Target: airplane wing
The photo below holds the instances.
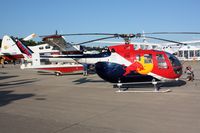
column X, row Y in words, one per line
column 30, row 37
column 57, row 40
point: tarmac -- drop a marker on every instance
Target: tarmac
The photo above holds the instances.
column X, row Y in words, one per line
column 32, row 102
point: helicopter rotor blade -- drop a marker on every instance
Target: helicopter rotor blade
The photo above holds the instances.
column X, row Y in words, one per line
column 82, row 34
column 88, row 34
column 166, row 40
column 171, row 33
column 112, row 34
column 104, row 38
column 126, row 37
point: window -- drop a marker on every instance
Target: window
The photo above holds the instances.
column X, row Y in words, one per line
column 197, row 53
column 174, row 61
column 41, row 48
column 47, row 47
column 180, row 53
column 135, row 46
column 191, row 53
column 56, row 48
column 154, row 46
column 161, row 61
column 147, row 58
column 186, row 54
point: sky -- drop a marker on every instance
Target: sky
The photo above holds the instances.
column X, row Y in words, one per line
column 20, row 18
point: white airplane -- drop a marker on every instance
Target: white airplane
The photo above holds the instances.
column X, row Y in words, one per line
column 31, row 55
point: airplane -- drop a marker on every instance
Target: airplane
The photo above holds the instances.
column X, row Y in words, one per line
column 31, row 56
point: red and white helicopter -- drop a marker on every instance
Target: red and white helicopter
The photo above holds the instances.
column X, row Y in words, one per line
column 124, row 64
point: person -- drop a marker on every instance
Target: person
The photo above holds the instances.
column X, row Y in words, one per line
column 14, row 62
column 2, row 59
column 190, row 73
column 85, row 71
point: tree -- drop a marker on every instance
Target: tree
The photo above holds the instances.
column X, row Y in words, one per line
column 28, row 43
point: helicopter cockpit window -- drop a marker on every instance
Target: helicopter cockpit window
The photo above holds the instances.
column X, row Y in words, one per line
column 174, row 61
column 147, row 58
column 135, row 46
column 161, row 61
column 142, row 46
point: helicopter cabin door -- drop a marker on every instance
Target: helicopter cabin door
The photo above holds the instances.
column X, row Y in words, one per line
column 161, row 61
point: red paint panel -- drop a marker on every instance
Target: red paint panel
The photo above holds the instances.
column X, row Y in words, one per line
column 64, row 69
column 13, row 57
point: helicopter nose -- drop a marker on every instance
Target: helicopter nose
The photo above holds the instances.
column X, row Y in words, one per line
column 176, row 66
column 110, row 72
column 178, row 70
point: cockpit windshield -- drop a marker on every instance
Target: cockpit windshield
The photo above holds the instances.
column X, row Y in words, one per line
column 175, row 64
column 174, row 61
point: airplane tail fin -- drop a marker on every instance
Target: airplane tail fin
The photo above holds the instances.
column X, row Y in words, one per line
column 8, row 46
column 23, row 48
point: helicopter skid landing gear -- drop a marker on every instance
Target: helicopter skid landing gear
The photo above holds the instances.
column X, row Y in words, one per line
column 125, row 88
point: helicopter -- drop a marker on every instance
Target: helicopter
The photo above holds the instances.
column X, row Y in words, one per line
column 124, row 64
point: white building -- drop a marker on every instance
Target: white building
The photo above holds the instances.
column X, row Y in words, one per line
column 189, row 53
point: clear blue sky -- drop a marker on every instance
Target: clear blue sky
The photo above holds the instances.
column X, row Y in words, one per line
column 23, row 17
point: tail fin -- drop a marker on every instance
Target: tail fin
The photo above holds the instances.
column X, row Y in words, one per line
column 9, row 46
column 23, row 48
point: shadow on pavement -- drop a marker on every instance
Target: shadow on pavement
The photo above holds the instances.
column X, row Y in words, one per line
column 174, row 83
column 7, row 77
column 6, row 97
column 86, row 80
column 8, row 84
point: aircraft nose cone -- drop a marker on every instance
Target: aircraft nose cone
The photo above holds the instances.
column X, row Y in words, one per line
column 178, row 70
column 110, row 72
